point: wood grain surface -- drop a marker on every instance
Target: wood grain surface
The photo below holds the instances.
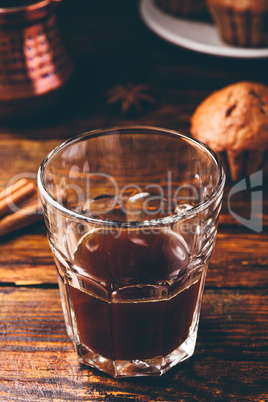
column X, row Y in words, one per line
column 111, row 45
column 38, row 361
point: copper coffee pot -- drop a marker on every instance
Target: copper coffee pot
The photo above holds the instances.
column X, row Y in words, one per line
column 34, row 63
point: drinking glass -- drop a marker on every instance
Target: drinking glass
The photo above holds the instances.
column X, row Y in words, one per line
column 131, row 216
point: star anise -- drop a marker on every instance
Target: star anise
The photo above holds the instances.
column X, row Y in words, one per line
column 129, row 95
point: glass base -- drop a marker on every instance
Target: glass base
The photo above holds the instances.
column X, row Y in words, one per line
column 134, row 368
column 155, row 366
column 128, row 346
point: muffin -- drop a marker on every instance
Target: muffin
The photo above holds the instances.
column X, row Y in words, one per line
column 234, row 122
column 185, row 8
column 241, row 22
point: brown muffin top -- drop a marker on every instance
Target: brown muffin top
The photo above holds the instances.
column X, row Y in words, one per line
column 241, row 5
column 233, row 118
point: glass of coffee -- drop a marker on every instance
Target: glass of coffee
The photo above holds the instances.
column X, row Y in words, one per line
column 131, row 216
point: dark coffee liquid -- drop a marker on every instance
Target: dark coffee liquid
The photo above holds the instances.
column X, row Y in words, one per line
column 130, row 304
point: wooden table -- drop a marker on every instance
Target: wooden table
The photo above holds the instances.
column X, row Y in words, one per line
column 111, row 45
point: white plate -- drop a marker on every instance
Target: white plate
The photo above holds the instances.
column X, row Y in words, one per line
column 199, row 36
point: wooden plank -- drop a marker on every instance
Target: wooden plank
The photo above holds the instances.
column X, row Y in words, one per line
column 27, row 260
column 22, row 158
column 241, row 204
column 237, row 261
column 38, row 361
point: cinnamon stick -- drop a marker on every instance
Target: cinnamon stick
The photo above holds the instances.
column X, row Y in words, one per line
column 27, row 215
column 14, row 187
column 14, row 195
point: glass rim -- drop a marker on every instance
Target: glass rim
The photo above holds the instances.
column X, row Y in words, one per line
column 163, row 221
